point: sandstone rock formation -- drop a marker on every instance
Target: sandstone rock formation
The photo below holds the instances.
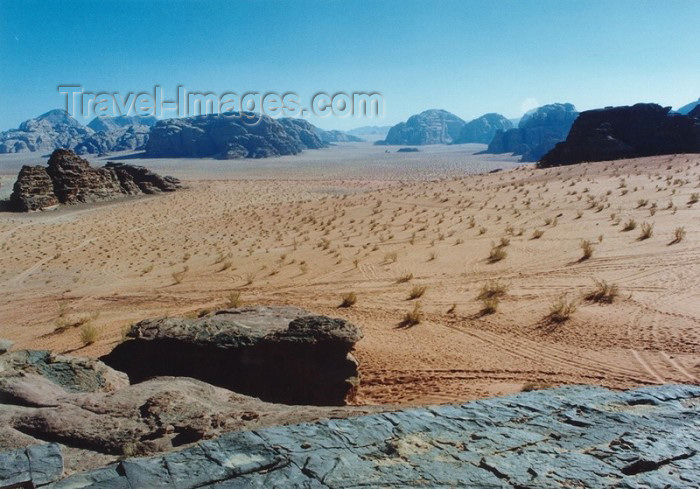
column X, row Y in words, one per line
column 626, row 132
column 230, row 137
column 69, row 179
column 54, row 129
column 483, row 129
column 279, row 354
column 559, row 438
column 537, row 132
column 96, row 416
column 429, row 127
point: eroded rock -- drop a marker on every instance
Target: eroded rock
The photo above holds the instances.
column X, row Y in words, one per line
column 279, row 354
column 432, row 126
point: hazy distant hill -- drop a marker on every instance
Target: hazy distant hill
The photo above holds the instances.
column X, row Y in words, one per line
column 688, row 107
column 108, row 123
column 370, row 131
column 336, row 136
column 483, row 129
column 434, row 126
column 52, row 130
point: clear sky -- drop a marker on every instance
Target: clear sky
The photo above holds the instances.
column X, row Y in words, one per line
column 469, row 57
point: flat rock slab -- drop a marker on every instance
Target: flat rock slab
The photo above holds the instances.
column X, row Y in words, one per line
column 34, row 466
column 575, row 436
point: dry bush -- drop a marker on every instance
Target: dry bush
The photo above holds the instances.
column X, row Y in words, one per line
column 391, row 257
column 406, row 277
column 89, row 334
column 630, row 225
column 233, row 300
column 561, row 309
column 535, row 386
column 348, row 300
column 179, row 276
column 647, row 231
column 694, row 197
column 416, row 292
column 587, row 249
column 537, row 234
column 497, row 254
column 412, row 317
column 678, row 235
column 490, row 305
column 603, row 292
column 492, row 288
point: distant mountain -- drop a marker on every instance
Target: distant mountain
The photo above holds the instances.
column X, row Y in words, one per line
column 108, row 123
column 483, row 129
column 335, row 136
column 369, row 131
column 688, row 107
column 432, row 126
column 627, row 132
column 538, row 132
column 54, row 129
column 229, row 137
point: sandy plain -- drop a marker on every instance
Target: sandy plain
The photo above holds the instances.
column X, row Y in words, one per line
column 305, row 230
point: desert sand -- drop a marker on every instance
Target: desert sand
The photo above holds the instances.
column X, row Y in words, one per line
column 305, row 230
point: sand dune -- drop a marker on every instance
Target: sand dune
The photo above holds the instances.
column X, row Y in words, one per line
column 303, row 235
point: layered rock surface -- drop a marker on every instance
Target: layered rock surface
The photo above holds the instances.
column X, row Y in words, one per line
column 432, row 126
column 96, row 416
column 559, row 438
column 279, row 354
column 69, row 179
column 537, row 133
column 626, row 132
column 230, row 137
column 483, row 129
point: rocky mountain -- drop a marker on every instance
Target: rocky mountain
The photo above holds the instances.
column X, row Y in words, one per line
column 230, row 137
column 538, row 131
column 109, row 123
column 335, row 136
column 626, row 132
column 69, row 179
column 483, row 129
column 686, row 109
column 429, row 127
column 54, row 129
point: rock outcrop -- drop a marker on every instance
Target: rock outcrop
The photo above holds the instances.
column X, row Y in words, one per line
column 559, row 438
column 69, row 179
column 335, row 136
column 626, row 132
column 279, row 354
column 537, row 133
column 230, row 137
column 429, row 127
column 108, row 123
column 483, row 129
column 54, row 129
column 96, row 416
column 31, row 467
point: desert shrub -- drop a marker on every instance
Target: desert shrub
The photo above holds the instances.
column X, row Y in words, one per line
column 678, row 235
column 89, row 334
column 647, row 231
column 603, row 292
column 505, row 241
column 349, row 299
column 587, row 249
column 416, row 292
column 694, row 197
column 497, row 254
column 630, row 225
column 561, row 309
column 234, row 300
column 413, row 317
column 492, row 288
column 391, row 257
column 535, row 386
column 489, row 305
column 537, row 234
column 406, row 277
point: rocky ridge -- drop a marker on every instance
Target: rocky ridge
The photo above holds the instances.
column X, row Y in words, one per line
column 54, row 129
column 432, row 126
column 627, row 132
column 483, row 129
column 69, row 179
column 537, row 133
column 575, row 436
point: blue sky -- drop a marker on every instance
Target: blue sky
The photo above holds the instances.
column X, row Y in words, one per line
column 469, row 57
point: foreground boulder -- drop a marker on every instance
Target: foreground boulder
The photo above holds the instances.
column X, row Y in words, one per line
column 279, row 354
column 429, row 127
column 537, row 132
column 626, row 132
column 69, row 179
column 232, row 136
column 95, row 416
column 560, row 438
